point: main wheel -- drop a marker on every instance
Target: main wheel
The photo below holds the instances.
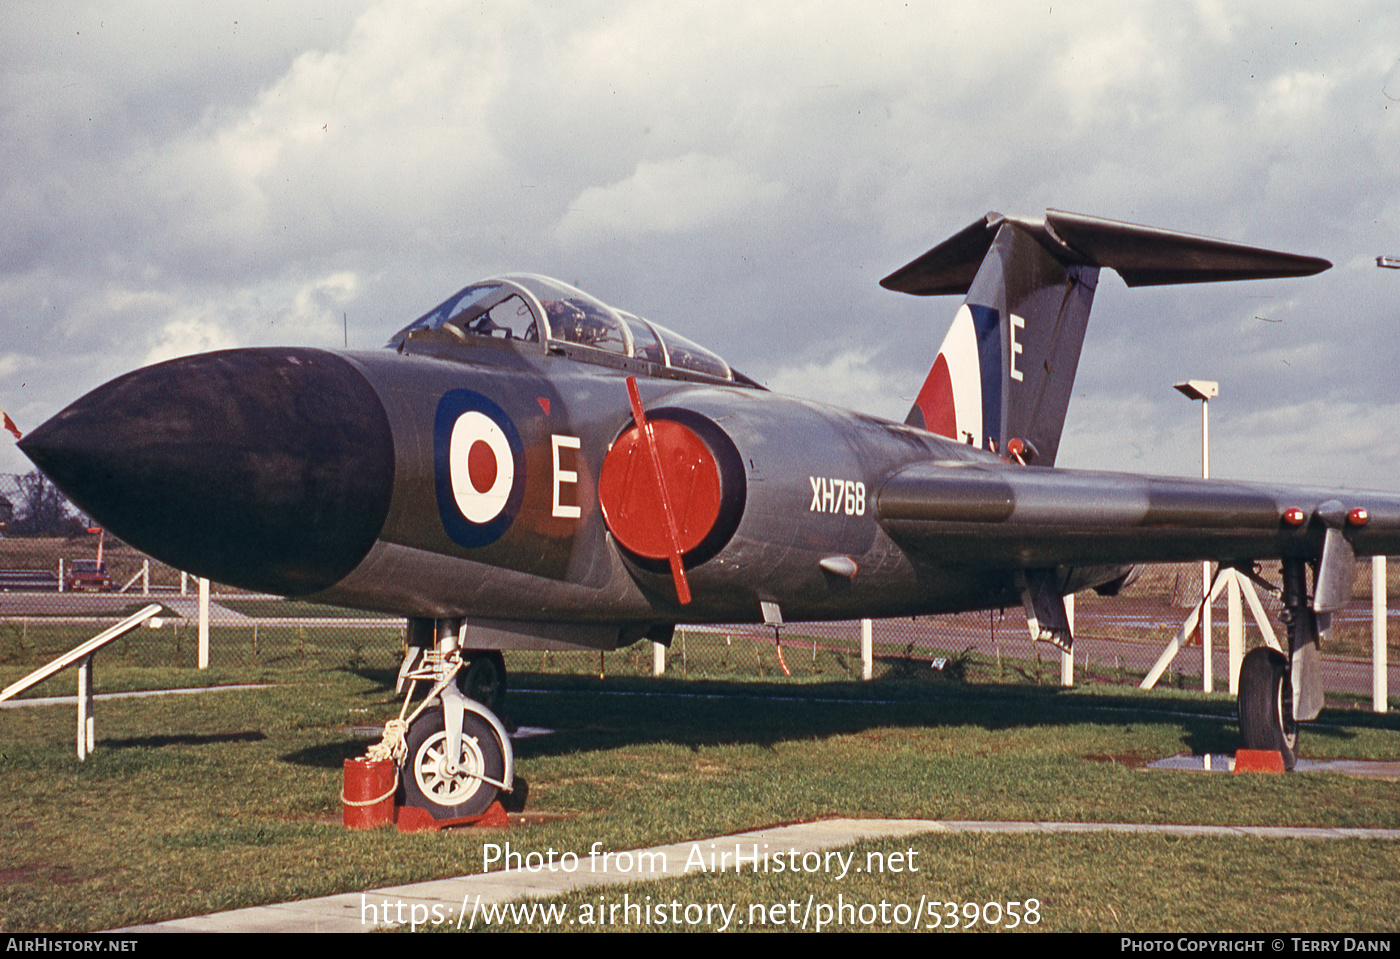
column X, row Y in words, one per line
column 1266, row 705
column 426, row 783
column 484, row 679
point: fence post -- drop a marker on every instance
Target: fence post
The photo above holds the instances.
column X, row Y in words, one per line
column 1067, row 658
column 658, row 659
column 87, row 721
column 1207, row 633
column 1233, row 601
column 1379, row 669
column 203, row 623
column 867, row 649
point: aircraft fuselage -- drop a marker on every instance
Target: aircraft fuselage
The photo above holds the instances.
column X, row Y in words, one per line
column 806, row 475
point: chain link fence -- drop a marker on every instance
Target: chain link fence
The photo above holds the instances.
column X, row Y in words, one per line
column 1117, row 640
column 48, row 606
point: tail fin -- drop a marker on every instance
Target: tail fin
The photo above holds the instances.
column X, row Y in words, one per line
column 1003, row 376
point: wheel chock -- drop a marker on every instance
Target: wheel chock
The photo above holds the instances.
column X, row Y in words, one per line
column 1258, row 761
column 368, row 797
column 368, row 792
column 413, row 819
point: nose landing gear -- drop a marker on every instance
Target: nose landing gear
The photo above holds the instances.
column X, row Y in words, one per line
column 452, row 754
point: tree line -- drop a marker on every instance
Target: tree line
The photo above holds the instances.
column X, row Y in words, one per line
column 30, row 505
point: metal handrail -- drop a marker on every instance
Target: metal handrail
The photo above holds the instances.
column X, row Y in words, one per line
column 81, row 656
column 80, row 652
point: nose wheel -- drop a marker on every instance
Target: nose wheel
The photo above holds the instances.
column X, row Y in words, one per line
column 429, row 784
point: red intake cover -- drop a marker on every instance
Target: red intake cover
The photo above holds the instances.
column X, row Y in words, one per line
column 631, row 499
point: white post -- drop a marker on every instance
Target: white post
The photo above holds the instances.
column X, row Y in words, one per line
column 87, row 721
column 1205, row 438
column 1067, row 658
column 1236, row 608
column 184, row 583
column 203, row 623
column 867, row 649
column 1182, row 635
column 1207, row 634
column 60, row 574
column 658, row 659
column 1207, row 652
column 1379, row 669
column 145, row 577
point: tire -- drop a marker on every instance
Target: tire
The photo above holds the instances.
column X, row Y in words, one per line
column 484, row 679
column 1266, row 705
column 425, row 782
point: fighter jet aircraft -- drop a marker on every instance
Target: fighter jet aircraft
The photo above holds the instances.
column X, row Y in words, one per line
column 527, row 467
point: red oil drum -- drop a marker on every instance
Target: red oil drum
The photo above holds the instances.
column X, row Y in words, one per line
column 368, row 792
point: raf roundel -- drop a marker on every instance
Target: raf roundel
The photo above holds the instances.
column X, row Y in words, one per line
column 479, row 466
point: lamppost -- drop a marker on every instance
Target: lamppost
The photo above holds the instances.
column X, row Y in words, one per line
column 1205, row 391
column 1380, row 676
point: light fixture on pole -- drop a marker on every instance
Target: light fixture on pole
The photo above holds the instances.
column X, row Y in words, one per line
column 1205, row 391
column 1379, row 673
column 1238, row 588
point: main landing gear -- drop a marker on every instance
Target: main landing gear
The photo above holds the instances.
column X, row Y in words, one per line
column 1266, row 705
column 1278, row 689
column 455, row 757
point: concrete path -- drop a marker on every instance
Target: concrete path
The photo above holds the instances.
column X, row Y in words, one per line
column 458, row 902
column 138, row 694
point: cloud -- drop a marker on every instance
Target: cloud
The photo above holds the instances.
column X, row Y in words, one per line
column 679, row 195
column 847, row 379
column 184, row 179
column 1324, row 441
column 189, row 321
column 186, row 334
column 314, row 308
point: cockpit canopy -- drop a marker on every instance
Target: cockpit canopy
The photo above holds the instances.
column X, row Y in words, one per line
column 537, row 309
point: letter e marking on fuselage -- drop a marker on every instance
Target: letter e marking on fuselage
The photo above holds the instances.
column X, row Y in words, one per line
column 562, row 476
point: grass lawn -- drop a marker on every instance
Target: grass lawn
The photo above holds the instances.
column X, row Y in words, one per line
column 199, row 803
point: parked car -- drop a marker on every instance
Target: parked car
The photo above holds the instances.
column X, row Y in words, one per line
column 88, row 574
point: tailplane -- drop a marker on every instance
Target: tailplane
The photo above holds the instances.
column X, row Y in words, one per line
column 1003, row 375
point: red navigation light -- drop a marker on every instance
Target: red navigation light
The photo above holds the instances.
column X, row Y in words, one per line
column 1359, row 516
column 1293, row 516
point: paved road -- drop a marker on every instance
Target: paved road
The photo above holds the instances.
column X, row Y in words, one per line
column 458, row 902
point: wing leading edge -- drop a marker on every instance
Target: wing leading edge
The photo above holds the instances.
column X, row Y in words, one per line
column 1031, row 517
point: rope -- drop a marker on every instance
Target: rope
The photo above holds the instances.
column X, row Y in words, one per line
column 392, row 747
column 372, row 802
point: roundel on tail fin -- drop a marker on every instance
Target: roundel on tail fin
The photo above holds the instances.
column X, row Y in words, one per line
column 961, row 397
column 933, row 409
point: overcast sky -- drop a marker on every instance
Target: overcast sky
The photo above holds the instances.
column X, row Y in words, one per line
column 177, row 177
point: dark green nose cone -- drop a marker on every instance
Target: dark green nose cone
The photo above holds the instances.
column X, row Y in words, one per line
column 269, row 469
